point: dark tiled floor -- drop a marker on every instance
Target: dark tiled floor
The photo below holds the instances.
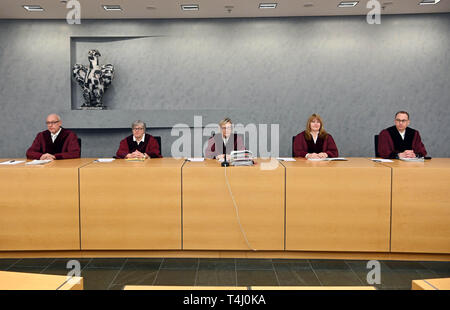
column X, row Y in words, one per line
column 115, row 273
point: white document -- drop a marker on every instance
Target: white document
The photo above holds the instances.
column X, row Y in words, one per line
column 286, row 158
column 336, row 159
column 12, row 162
column 195, row 159
column 317, row 159
column 381, row 160
column 416, row 159
column 38, row 162
column 105, row 160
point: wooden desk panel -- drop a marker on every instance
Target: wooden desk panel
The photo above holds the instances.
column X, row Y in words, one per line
column 34, row 281
column 39, row 206
column 131, row 205
column 421, row 206
column 337, row 206
column 209, row 216
column 431, row 284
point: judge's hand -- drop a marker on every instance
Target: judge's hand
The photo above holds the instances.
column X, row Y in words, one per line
column 313, row 156
column 407, row 154
column 323, row 155
column 138, row 154
column 220, row 157
column 47, row 156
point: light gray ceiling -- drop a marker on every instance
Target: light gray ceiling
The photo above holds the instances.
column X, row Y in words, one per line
column 131, row 9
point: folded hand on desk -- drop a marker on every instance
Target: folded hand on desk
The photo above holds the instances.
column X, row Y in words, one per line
column 47, row 156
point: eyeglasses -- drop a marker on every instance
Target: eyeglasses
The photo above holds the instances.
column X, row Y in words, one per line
column 401, row 120
column 52, row 123
column 138, row 128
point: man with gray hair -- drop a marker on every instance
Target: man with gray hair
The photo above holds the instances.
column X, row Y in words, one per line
column 54, row 143
column 139, row 144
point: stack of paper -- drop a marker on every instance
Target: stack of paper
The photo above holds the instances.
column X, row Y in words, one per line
column 286, row 158
column 195, row 159
column 104, row 160
column 381, row 160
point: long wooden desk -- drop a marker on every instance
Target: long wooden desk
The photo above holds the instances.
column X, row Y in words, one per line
column 210, row 217
column 39, row 206
column 337, row 206
column 131, row 205
column 421, row 206
column 170, row 208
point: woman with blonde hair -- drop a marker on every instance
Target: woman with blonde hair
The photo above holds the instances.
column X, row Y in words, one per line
column 227, row 141
column 314, row 142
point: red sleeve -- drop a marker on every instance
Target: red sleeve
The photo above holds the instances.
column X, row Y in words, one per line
column 153, row 148
column 208, row 152
column 386, row 145
column 300, row 146
column 123, row 149
column 330, row 147
column 418, row 147
column 35, row 151
column 71, row 148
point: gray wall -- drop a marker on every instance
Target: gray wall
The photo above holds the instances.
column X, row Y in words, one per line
column 262, row 71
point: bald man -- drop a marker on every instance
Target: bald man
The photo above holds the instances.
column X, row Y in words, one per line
column 54, row 143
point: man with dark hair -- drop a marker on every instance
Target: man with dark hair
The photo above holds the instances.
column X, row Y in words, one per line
column 400, row 141
column 54, row 143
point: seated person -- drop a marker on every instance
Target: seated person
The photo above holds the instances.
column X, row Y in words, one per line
column 54, row 143
column 314, row 142
column 400, row 141
column 139, row 144
column 228, row 141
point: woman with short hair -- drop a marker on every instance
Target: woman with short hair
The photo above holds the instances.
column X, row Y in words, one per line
column 139, row 144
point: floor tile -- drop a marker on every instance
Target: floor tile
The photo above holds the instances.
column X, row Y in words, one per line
column 254, row 264
column 35, row 269
column 404, row 265
column 294, row 276
column 338, row 277
column 325, row 264
column 182, row 263
column 136, row 277
column 144, row 263
column 106, row 263
column 6, row 263
column 34, row 262
column 98, row 278
column 216, row 276
column 295, row 264
column 256, row 277
column 176, row 277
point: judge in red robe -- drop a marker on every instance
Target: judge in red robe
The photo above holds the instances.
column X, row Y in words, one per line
column 400, row 141
column 314, row 142
column 139, row 144
column 54, row 143
column 226, row 142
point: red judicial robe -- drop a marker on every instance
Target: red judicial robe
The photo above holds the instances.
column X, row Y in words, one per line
column 150, row 146
column 216, row 145
column 65, row 146
column 302, row 146
column 390, row 143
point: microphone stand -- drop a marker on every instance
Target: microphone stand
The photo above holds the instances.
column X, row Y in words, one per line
column 225, row 163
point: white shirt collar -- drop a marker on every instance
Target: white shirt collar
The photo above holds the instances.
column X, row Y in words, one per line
column 402, row 134
column 54, row 136
column 142, row 140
